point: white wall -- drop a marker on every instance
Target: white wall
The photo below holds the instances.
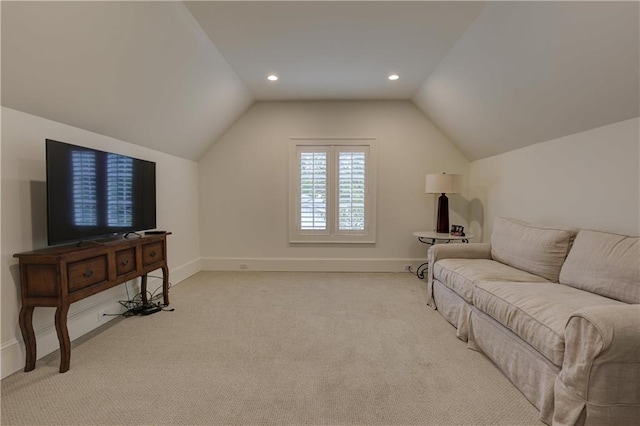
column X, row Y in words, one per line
column 585, row 180
column 24, row 223
column 244, row 190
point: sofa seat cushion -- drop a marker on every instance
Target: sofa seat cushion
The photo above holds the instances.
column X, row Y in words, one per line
column 536, row 312
column 460, row 275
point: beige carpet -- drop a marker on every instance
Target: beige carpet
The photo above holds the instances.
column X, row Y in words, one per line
column 273, row 349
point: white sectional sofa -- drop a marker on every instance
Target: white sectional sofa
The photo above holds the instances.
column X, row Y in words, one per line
column 557, row 310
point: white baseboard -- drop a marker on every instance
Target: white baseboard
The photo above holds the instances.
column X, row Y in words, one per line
column 12, row 353
column 309, row 264
column 181, row 273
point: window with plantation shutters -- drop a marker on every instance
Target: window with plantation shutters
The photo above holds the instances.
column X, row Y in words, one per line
column 332, row 191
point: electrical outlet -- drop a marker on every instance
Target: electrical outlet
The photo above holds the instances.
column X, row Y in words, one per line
column 407, row 268
column 244, row 266
column 102, row 318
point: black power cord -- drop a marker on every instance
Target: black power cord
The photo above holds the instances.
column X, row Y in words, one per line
column 136, row 306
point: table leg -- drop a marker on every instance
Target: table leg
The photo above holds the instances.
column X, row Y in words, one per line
column 29, row 336
column 63, row 337
column 422, row 269
column 425, row 266
column 165, row 284
column 143, row 288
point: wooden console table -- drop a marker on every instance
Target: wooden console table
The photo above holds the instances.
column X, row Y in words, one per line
column 59, row 276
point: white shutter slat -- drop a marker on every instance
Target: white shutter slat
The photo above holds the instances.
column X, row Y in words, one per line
column 313, row 191
column 351, row 191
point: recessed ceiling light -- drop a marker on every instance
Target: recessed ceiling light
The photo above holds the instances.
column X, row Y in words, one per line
column 394, row 77
column 272, row 77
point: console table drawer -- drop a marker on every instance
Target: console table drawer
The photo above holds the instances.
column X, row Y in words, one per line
column 125, row 261
column 152, row 253
column 87, row 272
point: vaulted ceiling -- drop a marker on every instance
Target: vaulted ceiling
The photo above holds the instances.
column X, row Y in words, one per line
column 174, row 76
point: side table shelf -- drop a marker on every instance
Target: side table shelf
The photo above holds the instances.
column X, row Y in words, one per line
column 430, row 238
column 59, row 276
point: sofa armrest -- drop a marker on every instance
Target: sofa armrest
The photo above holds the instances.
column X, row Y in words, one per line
column 453, row 251
column 459, row 251
column 600, row 375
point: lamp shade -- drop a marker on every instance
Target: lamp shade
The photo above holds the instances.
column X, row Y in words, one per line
column 441, row 183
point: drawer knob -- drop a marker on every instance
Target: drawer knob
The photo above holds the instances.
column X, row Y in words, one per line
column 152, row 254
column 125, row 262
column 88, row 273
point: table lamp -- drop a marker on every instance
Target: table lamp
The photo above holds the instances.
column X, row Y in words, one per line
column 441, row 183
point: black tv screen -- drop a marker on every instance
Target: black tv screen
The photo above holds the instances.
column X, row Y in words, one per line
column 93, row 193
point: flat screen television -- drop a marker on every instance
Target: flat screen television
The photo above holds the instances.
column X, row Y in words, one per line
column 93, row 194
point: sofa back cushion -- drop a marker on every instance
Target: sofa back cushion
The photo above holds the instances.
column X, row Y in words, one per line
column 539, row 250
column 605, row 264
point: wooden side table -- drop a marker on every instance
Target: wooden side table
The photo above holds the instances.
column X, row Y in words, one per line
column 430, row 238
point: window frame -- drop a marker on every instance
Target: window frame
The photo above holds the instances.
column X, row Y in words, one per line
column 332, row 234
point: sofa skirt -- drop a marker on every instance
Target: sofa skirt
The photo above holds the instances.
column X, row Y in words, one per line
column 525, row 367
column 453, row 308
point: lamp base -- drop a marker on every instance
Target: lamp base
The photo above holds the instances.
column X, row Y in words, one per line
column 443, row 215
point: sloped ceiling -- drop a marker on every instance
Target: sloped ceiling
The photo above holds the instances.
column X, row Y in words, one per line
column 492, row 76
column 142, row 72
column 527, row 72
